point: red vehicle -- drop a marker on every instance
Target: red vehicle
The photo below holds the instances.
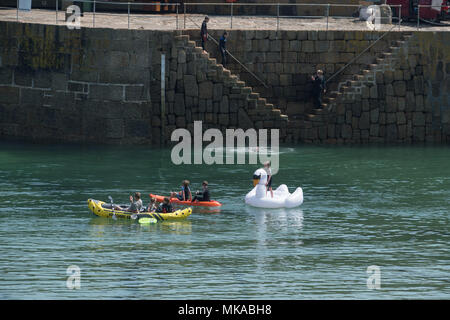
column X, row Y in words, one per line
column 432, row 10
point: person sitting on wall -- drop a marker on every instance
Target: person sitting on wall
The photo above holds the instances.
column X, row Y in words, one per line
column 319, row 88
column 204, row 32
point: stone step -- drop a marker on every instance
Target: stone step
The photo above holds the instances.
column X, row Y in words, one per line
column 240, row 84
column 380, row 60
column 182, row 36
column 276, row 111
column 235, row 90
column 212, row 61
column 254, row 95
column 334, row 94
column 344, row 88
column 352, row 83
column 262, row 102
column 314, row 117
column 246, row 90
column 358, row 77
column 373, row 66
column 322, row 111
column 191, row 44
column 329, row 100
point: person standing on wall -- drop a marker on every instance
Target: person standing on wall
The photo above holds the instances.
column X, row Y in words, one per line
column 204, row 32
column 319, row 88
column 223, row 47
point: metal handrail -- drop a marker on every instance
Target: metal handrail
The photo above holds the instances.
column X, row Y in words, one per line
column 426, row 6
column 327, row 7
column 128, row 4
column 236, row 59
column 359, row 55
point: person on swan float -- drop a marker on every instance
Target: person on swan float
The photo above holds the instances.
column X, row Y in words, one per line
column 280, row 197
column 269, row 178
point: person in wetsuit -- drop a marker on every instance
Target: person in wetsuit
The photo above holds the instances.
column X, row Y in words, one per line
column 204, row 195
column 319, row 88
column 222, row 47
column 184, row 194
column 204, row 32
column 165, row 206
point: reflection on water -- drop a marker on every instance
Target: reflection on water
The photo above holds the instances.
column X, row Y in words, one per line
column 363, row 206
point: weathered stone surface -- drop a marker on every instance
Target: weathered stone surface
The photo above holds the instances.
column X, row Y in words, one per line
column 364, row 121
column 418, row 119
column 190, row 86
column 205, row 90
column 400, row 88
column 179, row 106
column 244, row 121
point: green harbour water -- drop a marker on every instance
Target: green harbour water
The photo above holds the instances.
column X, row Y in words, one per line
column 387, row 206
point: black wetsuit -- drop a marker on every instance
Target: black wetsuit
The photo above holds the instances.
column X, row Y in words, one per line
column 203, row 197
column 204, row 34
column 186, row 192
column 223, row 49
column 164, row 208
column 317, row 90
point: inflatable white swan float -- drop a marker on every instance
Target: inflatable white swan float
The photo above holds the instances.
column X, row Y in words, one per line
column 258, row 197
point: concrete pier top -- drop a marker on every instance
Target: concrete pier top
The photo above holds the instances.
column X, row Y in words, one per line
column 193, row 21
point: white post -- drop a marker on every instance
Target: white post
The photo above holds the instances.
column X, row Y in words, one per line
column 163, row 95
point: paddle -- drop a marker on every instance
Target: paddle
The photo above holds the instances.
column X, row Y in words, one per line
column 112, row 206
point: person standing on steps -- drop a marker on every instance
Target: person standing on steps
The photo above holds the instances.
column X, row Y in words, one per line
column 223, row 47
column 204, row 32
column 319, row 88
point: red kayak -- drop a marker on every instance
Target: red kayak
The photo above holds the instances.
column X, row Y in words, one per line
column 212, row 203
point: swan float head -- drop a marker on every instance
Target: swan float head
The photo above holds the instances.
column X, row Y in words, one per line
column 259, row 177
column 258, row 196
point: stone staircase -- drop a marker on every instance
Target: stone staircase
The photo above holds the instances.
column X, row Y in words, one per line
column 261, row 113
column 350, row 89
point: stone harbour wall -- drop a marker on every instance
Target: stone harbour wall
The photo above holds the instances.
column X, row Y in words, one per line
column 285, row 60
column 402, row 98
column 104, row 85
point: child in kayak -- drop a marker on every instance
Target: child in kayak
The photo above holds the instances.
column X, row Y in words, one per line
column 269, row 178
column 184, row 194
column 204, row 195
column 152, row 205
column 165, row 206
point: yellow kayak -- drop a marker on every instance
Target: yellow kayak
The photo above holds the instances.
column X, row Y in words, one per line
column 103, row 209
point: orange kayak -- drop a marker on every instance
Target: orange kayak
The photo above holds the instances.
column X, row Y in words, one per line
column 212, row 203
